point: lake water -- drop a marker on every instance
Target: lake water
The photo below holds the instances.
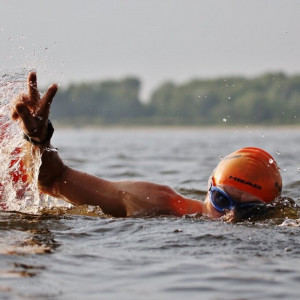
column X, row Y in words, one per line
column 81, row 254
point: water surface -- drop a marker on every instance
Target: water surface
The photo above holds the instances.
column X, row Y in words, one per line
column 81, row 254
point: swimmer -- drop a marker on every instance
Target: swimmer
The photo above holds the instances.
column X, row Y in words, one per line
column 247, row 178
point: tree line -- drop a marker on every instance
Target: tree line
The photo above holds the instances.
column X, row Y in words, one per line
column 264, row 100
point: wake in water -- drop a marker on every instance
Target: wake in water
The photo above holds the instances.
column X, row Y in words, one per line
column 277, row 212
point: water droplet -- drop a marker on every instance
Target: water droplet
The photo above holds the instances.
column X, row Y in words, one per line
column 51, row 149
column 298, row 169
column 220, row 157
column 224, row 120
column 21, row 47
column 277, row 152
column 271, row 160
column 229, row 98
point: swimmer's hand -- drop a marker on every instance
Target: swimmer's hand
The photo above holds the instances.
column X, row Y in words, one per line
column 33, row 110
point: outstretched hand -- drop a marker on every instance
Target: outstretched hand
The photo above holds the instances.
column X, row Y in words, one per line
column 33, row 110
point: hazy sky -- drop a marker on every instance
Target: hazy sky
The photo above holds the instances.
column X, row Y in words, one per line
column 156, row 40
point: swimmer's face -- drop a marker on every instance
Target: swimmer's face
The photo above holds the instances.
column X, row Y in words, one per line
column 237, row 196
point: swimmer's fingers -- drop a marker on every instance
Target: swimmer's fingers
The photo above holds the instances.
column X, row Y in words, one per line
column 20, row 99
column 14, row 115
column 46, row 101
column 33, row 91
column 34, row 111
column 24, row 113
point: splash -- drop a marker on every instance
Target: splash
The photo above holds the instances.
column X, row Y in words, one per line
column 16, row 192
column 276, row 212
column 290, row 223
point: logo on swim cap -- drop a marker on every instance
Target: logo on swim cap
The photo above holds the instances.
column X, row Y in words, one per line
column 246, row 182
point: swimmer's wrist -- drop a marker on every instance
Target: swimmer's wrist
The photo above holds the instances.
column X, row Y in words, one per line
column 46, row 140
column 51, row 172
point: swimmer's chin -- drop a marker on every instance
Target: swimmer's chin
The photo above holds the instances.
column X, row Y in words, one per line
column 229, row 216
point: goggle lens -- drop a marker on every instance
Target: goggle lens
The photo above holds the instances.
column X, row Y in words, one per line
column 220, row 200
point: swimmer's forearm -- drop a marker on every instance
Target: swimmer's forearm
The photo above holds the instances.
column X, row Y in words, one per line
column 61, row 181
column 82, row 188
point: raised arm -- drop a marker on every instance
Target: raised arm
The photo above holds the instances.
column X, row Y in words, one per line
column 118, row 198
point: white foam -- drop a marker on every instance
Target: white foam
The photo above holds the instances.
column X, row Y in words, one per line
column 291, row 223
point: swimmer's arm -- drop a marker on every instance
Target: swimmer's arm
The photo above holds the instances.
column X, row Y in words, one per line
column 122, row 198
column 117, row 198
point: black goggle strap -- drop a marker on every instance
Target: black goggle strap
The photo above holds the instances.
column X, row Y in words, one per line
column 250, row 204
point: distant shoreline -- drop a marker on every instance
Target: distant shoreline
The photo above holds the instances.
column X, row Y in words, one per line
column 268, row 100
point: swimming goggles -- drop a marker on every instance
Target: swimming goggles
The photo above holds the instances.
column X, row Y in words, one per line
column 222, row 201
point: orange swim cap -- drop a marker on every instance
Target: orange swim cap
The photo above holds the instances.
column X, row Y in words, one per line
column 251, row 170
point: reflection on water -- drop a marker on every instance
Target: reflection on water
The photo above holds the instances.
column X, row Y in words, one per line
column 21, row 237
column 24, row 234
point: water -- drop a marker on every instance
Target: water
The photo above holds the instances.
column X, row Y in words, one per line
column 81, row 254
